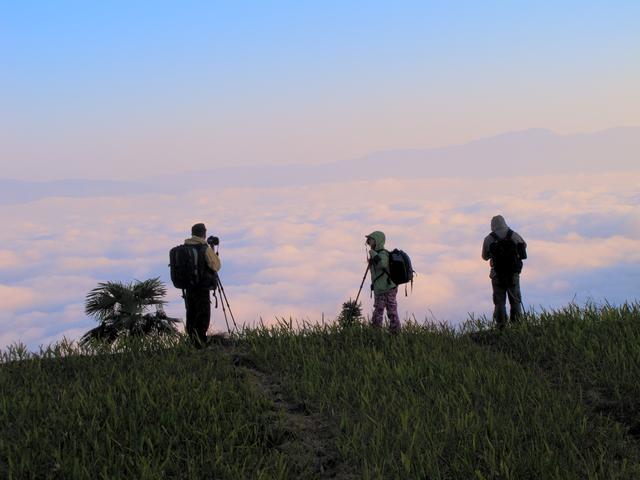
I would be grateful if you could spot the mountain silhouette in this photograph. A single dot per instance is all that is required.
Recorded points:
(524, 153)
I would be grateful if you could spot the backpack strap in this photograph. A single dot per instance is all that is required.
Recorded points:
(202, 249)
(496, 238)
(384, 271)
(184, 297)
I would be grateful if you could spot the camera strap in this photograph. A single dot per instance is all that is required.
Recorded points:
(215, 297)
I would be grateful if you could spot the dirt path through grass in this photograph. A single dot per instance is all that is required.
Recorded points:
(310, 445)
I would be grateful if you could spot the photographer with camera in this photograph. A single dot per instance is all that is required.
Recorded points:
(196, 291)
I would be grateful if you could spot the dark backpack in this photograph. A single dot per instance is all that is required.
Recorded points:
(400, 269)
(189, 268)
(505, 256)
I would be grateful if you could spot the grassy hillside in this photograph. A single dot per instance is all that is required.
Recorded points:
(554, 397)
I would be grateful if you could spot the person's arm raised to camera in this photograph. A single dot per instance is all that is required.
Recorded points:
(213, 260)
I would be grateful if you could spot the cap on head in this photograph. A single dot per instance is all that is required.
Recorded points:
(199, 230)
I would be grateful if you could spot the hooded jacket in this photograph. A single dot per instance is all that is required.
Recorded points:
(379, 265)
(500, 228)
(213, 261)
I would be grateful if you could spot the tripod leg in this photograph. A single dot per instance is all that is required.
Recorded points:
(225, 299)
(235, 326)
(224, 312)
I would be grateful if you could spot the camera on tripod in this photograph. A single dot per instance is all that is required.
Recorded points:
(215, 242)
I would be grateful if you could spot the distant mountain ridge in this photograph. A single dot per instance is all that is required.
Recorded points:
(523, 153)
(21, 191)
(529, 152)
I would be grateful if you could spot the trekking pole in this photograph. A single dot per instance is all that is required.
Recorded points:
(225, 299)
(362, 284)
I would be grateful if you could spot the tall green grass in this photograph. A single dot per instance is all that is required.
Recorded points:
(594, 350)
(432, 402)
(142, 411)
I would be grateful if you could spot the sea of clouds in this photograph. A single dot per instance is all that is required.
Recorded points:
(299, 251)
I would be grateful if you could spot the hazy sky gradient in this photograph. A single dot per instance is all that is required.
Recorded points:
(133, 90)
(118, 89)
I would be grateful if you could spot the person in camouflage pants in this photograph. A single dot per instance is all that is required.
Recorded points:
(385, 291)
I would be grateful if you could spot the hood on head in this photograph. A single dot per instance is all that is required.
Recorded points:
(379, 238)
(498, 223)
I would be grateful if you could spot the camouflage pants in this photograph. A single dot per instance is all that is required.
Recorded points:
(386, 300)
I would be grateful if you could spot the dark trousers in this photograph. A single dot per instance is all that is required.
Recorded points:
(198, 303)
(501, 291)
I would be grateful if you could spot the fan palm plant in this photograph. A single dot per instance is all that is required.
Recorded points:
(124, 308)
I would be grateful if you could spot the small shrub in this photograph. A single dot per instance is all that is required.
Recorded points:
(351, 313)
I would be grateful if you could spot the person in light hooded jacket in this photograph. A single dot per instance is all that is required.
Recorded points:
(505, 285)
(384, 290)
(198, 300)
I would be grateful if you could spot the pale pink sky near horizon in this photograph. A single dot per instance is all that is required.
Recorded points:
(126, 91)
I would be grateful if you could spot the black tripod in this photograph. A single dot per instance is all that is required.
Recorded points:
(224, 300)
(214, 243)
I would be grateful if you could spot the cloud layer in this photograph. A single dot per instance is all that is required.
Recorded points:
(299, 251)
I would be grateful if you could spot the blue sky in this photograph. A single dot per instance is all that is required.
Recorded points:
(216, 83)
